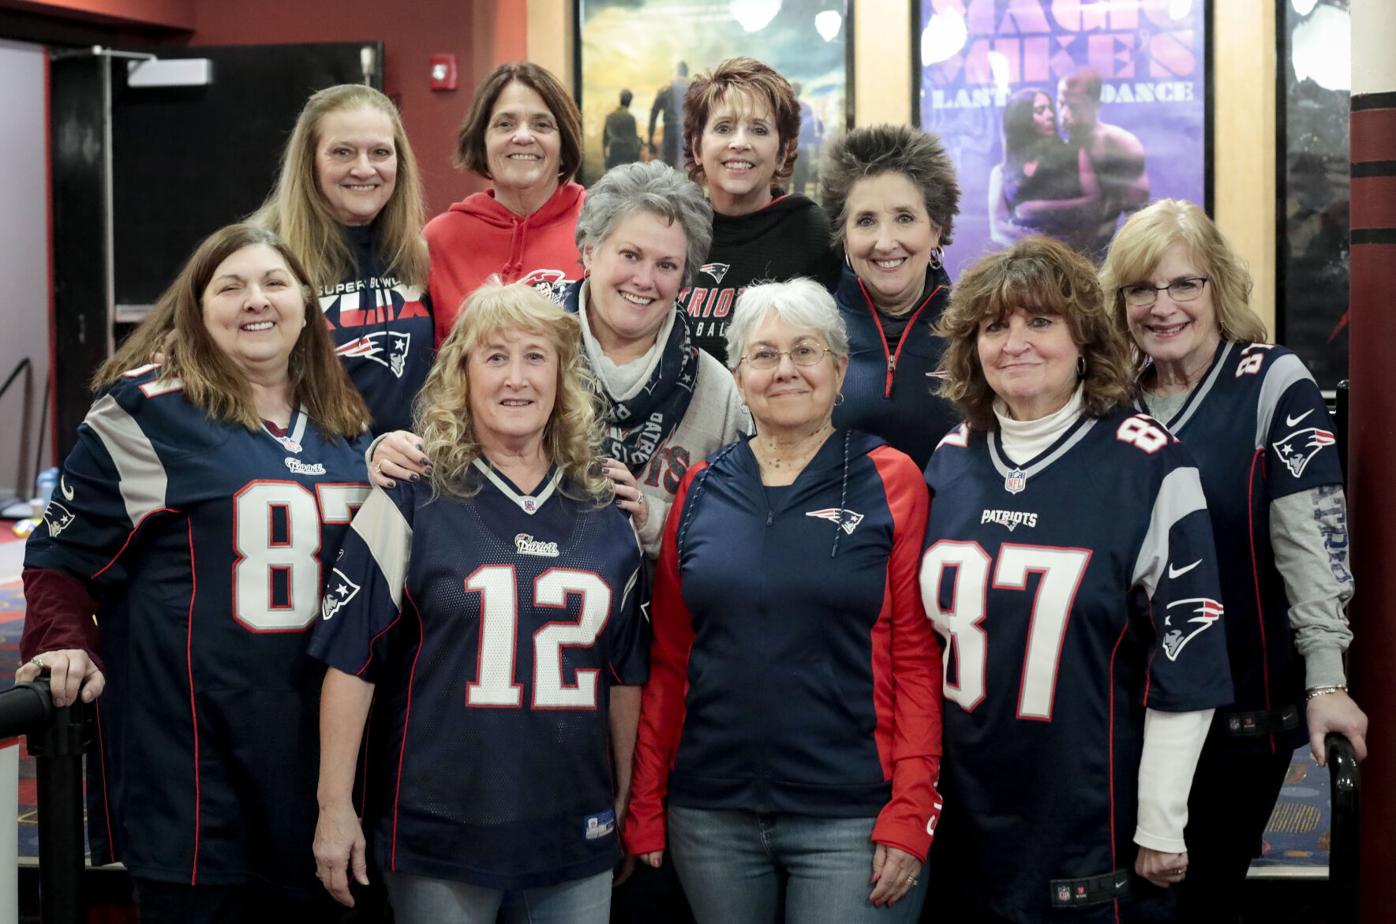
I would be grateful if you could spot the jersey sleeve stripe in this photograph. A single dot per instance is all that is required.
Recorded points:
(143, 480)
(1179, 494)
(386, 532)
(1279, 376)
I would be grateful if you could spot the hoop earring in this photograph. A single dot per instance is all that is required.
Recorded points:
(838, 400)
(1080, 367)
(937, 257)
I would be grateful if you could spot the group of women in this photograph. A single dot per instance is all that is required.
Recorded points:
(881, 637)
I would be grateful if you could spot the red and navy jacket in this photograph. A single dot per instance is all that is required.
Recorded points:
(889, 387)
(793, 667)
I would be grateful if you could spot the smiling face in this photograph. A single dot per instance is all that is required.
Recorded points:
(512, 377)
(356, 163)
(254, 309)
(522, 144)
(1029, 360)
(889, 238)
(1171, 332)
(739, 151)
(1044, 117)
(634, 274)
(789, 398)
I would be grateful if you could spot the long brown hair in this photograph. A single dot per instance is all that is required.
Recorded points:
(211, 380)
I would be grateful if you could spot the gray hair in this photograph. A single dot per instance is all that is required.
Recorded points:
(802, 303)
(651, 187)
(876, 149)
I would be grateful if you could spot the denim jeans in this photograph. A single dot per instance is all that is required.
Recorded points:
(739, 867)
(424, 900)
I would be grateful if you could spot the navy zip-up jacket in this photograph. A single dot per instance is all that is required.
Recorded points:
(793, 667)
(888, 389)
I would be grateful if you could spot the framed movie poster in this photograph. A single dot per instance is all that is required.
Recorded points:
(1315, 80)
(1064, 117)
(637, 57)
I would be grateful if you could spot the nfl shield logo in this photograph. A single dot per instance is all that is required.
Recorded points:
(1063, 893)
(1015, 481)
(529, 504)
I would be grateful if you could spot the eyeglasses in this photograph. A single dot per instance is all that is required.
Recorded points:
(802, 354)
(1186, 289)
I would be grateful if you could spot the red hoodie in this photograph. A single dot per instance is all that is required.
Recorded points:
(478, 237)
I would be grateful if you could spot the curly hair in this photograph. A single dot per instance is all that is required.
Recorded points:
(1037, 274)
(470, 138)
(296, 208)
(1139, 247)
(653, 187)
(211, 380)
(763, 84)
(572, 436)
(876, 149)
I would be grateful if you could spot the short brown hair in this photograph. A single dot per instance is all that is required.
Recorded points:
(763, 83)
(317, 380)
(877, 149)
(470, 139)
(1043, 275)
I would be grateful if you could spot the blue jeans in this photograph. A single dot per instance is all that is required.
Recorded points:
(740, 867)
(424, 900)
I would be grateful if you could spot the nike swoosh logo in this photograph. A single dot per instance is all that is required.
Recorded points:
(1179, 572)
(1291, 421)
(67, 491)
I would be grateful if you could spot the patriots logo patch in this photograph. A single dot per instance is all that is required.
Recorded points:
(847, 519)
(715, 270)
(337, 596)
(551, 282)
(1174, 639)
(385, 347)
(1299, 447)
(57, 517)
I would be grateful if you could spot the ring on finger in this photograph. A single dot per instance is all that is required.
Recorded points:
(376, 468)
(911, 880)
(38, 661)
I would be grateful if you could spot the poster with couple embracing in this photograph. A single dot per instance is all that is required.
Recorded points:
(1063, 117)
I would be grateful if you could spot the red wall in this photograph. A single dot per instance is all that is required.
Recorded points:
(165, 14)
(481, 33)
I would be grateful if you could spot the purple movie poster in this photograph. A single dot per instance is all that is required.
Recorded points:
(1063, 116)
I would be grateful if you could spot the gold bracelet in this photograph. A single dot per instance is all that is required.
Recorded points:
(1324, 691)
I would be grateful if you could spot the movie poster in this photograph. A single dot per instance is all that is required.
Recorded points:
(639, 56)
(1063, 116)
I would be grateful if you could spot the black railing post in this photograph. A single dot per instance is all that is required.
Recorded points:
(1344, 789)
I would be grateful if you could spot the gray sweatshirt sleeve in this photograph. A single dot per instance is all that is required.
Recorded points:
(1309, 534)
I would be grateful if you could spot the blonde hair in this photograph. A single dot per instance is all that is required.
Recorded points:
(572, 436)
(211, 380)
(296, 208)
(1140, 245)
(1037, 274)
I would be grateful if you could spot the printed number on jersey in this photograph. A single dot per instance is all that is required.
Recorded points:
(276, 535)
(496, 684)
(1059, 573)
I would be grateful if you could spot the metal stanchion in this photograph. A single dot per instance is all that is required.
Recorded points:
(1345, 788)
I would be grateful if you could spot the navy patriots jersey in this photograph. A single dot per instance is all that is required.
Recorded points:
(493, 628)
(1259, 430)
(383, 333)
(203, 542)
(1073, 592)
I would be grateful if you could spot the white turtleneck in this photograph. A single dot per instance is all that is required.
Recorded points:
(1172, 740)
(623, 381)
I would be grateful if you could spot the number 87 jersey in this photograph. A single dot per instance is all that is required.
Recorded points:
(1073, 591)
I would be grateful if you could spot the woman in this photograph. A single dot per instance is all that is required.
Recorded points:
(894, 198)
(1275, 491)
(498, 607)
(741, 130)
(1069, 566)
(792, 719)
(642, 233)
(195, 514)
(524, 134)
(349, 204)
(1043, 185)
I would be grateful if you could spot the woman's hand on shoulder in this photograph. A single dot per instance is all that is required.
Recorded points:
(340, 850)
(629, 496)
(1336, 712)
(397, 456)
(1162, 869)
(71, 672)
(894, 873)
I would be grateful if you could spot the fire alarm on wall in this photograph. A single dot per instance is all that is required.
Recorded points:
(443, 72)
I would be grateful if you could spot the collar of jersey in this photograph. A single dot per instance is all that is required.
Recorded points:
(1073, 435)
(528, 503)
(295, 430)
(1199, 391)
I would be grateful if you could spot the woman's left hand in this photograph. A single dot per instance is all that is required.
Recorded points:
(1162, 869)
(894, 873)
(629, 497)
(1336, 712)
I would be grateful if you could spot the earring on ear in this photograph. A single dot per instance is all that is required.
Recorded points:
(839, 399)
(1080, 367)
(937, 257)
